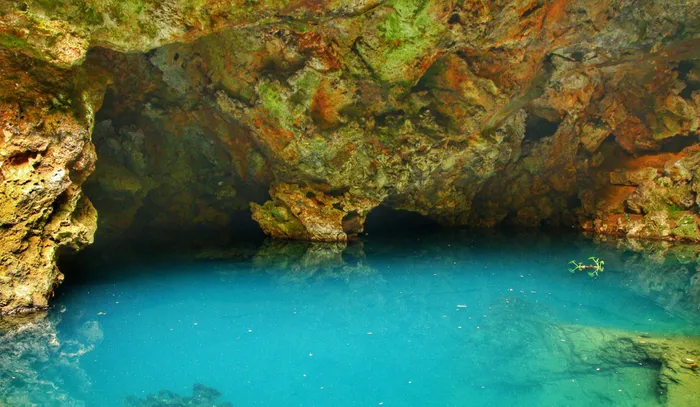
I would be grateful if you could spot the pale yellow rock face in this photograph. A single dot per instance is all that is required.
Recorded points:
(45, 155)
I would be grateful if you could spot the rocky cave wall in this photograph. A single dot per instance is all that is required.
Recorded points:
(526, 112)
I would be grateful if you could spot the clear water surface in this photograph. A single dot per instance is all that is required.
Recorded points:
(440, 320)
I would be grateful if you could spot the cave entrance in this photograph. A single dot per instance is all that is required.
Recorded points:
(386, 221)
(171, 170)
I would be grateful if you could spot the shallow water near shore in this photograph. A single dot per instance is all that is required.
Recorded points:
(438, 320)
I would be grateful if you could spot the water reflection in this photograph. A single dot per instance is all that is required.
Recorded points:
(293, 262)
(666, 272)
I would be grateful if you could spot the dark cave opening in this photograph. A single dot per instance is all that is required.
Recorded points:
(678, 143)
(686, 74)
(161, 188)
(538, 128)
(386, 221)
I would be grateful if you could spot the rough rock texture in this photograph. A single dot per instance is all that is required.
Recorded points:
(560, 113)
(169, 160)
(45, 155)
(301, 213)
(31, 354)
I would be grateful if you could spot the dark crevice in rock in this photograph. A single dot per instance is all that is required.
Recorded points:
(678, 143)
(390, 118)
(538, 128)
(22, 158)
(688, 73)
(530, 10)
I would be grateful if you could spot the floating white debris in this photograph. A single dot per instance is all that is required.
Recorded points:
(369, 333)
(563, 340)
(459, 327)
(250, 330)
(101, 313)
(461, 306)
(410, 382)
(597, 369)
(311, 354)
(196, 323)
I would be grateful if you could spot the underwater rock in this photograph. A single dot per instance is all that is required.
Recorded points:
(202, 396)
(599, 353)
(30, 357)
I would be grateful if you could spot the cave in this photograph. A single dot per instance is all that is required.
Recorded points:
(384, 220)
(356, 202)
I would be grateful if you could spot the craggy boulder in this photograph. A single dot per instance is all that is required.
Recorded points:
(297, 212)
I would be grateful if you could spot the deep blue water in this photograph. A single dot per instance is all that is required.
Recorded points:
(441, 320)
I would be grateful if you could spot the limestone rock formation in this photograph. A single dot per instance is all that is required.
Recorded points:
(45, 155)
(573, 113)
(302, 213)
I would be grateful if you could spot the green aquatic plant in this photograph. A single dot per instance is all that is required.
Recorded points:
(597, 267)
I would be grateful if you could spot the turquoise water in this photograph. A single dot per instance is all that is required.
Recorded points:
(441, 320)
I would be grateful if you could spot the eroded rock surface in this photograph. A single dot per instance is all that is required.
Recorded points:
(306, 214)
(560, 113)
(46, 118)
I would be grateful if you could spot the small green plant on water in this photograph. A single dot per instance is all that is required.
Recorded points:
(597, 267)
